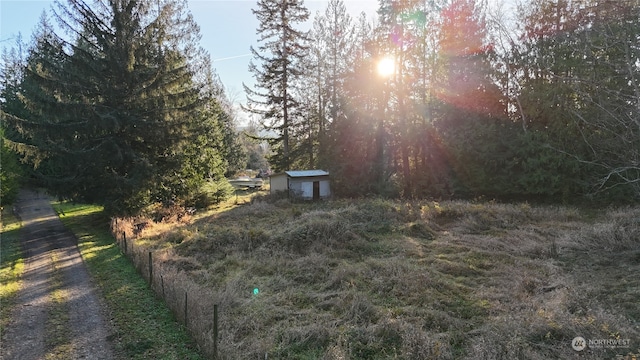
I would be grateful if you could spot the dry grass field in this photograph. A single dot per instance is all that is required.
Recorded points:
(381, 279)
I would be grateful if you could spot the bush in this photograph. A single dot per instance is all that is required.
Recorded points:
(212, 193)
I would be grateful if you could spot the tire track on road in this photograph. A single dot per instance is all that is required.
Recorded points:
(45, 240)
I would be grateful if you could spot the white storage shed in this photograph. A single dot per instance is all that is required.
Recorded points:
(303, 184)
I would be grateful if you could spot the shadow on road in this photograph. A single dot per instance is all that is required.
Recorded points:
(53, 263)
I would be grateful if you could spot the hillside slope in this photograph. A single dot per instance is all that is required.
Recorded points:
(377, 279)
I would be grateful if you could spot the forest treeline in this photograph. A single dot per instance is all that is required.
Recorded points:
(535, 102)
(540, 104)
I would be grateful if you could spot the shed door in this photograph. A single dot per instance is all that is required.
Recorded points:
(316, 190)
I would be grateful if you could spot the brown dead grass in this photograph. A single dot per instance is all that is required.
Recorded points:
(377, 279)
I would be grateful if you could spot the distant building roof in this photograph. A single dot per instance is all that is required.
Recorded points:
(305, 173)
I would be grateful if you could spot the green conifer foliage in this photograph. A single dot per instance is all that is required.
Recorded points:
(117, 111)
(280, 52)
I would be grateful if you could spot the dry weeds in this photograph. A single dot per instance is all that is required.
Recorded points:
(376, 279)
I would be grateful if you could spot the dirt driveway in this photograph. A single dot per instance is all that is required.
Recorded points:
(58, 314)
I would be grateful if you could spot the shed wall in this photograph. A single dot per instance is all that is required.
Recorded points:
(278, 183)
(303, 187)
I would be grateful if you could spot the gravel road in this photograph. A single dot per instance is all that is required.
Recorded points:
(53, 263)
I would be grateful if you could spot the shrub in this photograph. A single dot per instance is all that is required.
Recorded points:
(212, 193)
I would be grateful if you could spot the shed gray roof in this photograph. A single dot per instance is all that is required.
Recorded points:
(306, 173)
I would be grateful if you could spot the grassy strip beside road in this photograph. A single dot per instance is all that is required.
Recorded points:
(12, 265)
(146, 328)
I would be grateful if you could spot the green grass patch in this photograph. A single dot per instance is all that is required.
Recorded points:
(11, 266)
(146, 328)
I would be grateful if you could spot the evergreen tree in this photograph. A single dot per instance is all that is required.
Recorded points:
(571, 89)
(21, 96)
(10, 174)
(334, 40)
(428, 170)
(11, 75)
(332, 56)
(280, 53)
(225, 138)
(355, 134)
(471, 109)
(394, 40)
(118, 113)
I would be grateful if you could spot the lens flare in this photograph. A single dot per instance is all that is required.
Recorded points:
(386, 67)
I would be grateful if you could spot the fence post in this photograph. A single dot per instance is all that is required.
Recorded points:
(124, 238)
(150, 270)
(215, 331)
(185, 309)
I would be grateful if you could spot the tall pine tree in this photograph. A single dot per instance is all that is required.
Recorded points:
(332, 55)
(280, 52)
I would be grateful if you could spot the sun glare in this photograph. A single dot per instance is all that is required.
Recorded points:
(386, 67)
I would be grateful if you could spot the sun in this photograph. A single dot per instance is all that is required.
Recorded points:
(386, 66)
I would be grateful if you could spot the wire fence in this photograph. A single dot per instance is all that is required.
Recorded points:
(193, 306)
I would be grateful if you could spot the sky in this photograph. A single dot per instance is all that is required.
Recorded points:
(228, 29)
